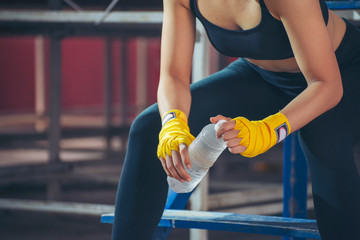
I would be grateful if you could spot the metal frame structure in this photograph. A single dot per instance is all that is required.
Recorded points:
(58, 25)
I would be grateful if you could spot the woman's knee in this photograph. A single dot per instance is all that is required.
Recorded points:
(327, 146)
(148, 121)
(143, 140)
(330, 136)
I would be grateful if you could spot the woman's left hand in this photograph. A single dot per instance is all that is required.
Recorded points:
(251, 138)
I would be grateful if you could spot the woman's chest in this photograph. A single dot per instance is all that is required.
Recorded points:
(232, 14)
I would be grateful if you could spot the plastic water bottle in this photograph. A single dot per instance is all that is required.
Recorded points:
(203, 152)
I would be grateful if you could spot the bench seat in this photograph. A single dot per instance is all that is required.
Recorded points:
(234, 222)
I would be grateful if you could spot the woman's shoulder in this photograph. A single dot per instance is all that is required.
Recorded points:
(170, 5)
(184, 3)
(279, 6)
(272, 7)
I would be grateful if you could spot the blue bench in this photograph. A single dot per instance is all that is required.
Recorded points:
(293, 225)
(233, 222)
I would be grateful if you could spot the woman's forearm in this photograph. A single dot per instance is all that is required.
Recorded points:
(173, 93)
(177, 46)
(317, 98)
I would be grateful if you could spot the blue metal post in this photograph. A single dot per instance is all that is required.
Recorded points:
(295, 179)
(174, 201)
(343, 5)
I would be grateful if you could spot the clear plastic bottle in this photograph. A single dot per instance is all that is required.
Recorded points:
(203, 152)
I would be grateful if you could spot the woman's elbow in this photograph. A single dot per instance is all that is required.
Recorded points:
(337, 95)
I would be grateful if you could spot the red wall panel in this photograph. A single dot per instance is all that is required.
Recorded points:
(153, 74)
(16, 73)
(82, 72)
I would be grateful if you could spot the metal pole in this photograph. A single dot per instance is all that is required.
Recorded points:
(108, 94)
(141, 72)
(124, 80)
(54, 130)
(199, 202)
(295, 178)
(40, 98)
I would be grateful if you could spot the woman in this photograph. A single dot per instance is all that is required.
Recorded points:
(294, 56)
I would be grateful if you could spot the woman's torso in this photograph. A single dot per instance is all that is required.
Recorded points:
(246, 14)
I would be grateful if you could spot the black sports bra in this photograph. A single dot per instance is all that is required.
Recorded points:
(266, 41)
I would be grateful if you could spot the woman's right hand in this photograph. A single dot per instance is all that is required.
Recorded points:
(173, 165)
(174, 139)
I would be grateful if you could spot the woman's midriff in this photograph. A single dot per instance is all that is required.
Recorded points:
(336, 28)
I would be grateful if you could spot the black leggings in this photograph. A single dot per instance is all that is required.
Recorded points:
(243, 89)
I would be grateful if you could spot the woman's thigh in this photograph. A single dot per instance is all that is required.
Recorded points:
(235, 91)
(328, 143)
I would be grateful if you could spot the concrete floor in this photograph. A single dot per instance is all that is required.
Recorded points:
(40, 226)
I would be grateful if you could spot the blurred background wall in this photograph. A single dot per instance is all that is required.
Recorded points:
(82, 73)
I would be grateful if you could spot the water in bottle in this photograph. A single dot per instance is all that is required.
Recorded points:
(203, 152)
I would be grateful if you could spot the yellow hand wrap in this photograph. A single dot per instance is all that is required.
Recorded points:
(174, 131)
(260, 136)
